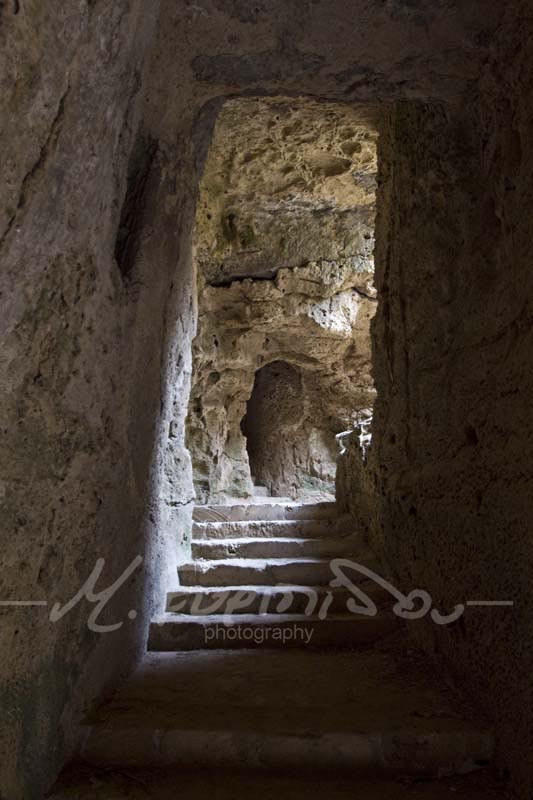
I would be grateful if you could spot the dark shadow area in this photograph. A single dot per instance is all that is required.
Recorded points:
(274, 428)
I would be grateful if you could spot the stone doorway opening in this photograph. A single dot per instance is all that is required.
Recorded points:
(284, 254)
(279, 434)
(291, 450)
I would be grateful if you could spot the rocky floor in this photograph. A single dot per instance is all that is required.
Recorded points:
(379, 709)
(81, 783)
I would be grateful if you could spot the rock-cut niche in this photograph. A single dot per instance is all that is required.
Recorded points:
(274, 427)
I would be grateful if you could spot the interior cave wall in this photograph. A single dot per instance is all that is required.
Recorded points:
(274, 413)
(98, 280)
(453, 336)
(78, 339)
(284, 251)
(312, 317)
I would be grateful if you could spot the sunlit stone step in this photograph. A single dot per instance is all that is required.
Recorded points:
(238, 571)
(204, 600)
(246, 547)
(266, 511)
(175, 632)
(292, 529)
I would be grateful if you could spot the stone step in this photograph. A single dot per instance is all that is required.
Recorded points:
(176, 632)
(263, 572)
(86, 783)
(376, 711)
(260, 491)
(199, 601)
(267, 511)
(248, 547)
(291, 529)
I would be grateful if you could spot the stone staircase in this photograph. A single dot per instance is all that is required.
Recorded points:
(262, 570)
(228, 684)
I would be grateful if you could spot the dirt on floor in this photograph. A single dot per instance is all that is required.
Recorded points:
(84, 783)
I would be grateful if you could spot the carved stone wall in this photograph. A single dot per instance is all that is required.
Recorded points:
(453, 430)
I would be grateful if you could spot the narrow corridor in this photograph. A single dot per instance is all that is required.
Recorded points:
(266, 440)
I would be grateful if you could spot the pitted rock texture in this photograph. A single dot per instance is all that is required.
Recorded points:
(453, 432)
(355, 483)
(288, 181)
(314, 319)
(70, 107)
(287, 199)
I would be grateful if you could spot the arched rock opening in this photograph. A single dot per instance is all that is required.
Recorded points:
(290, 451)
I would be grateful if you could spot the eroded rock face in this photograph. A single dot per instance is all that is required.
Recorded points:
(288, 181)
(315, 318)
(287, 199)
(453, 429)
(71, 485)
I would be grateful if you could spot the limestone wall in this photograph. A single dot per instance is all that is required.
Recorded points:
(71, 491)
(453, 430)
(356, 482)
(290, 448)
(287, 181)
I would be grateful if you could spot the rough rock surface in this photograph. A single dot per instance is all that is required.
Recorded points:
(71, 487)
(96, 360)
(292, 210)
(314, 319)
(287, 181)
(355, 481)
(84, 783)
(453, 432)
(446, 488)
(283, 443)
